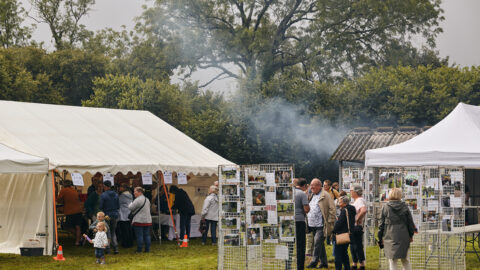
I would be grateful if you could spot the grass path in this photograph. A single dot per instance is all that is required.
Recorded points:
(165, 256)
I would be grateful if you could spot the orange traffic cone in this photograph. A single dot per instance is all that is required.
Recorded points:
(59, 256)
(185, 241)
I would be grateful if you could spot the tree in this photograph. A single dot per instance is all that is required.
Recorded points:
(262, 38)
(63, 18)
(12, 33)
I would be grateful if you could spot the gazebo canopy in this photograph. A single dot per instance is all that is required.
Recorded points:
(454, 141)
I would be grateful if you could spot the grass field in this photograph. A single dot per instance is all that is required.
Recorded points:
(165, 256)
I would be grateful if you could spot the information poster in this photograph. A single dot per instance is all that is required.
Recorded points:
(108, 177)
(147, 178)
(182, 178)
(77, 179)
(167, 177)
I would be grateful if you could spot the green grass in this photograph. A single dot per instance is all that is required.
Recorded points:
(165, 256)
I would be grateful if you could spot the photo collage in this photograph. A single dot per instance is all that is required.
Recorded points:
(434, 196)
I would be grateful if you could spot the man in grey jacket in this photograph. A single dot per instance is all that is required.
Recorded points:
(125, 198)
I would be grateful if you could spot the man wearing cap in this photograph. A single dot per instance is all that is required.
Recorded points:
(110, 205)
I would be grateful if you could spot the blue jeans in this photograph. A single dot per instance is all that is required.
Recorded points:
(143, 235)
(213, 231)
(99, 253)
(185, 221)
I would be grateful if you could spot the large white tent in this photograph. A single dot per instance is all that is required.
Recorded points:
(81, 139)
(454, 141)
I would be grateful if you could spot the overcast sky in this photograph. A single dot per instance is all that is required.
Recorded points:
(460, 38)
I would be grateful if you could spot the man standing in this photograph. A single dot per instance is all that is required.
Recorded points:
(72, 209)
(356, 247)
(327, 186)
(185, 209)
(110, 205)
(301, 209)
(321, 219)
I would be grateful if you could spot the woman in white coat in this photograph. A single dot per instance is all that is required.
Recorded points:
(210, 214)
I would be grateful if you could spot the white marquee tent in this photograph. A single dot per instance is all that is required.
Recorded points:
(80, 139)
(454, 141)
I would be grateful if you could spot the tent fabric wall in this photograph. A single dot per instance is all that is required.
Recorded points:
(12, 161)
(25, 211)
(454, 141)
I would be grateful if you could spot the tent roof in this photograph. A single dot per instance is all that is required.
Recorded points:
(82, 139)
(12, 161)
(454, 141)
(353, 146)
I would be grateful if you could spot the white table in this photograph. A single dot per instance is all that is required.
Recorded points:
(167, 220)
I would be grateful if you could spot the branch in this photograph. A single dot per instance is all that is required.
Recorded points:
(262, 13)
(213, 79)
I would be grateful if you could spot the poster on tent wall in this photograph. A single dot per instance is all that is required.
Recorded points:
(108, 177)
(257, 219)
(435, 198)
(77, 179)
(147, 178)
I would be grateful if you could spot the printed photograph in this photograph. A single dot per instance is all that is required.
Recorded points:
(412, 203)
(258, 197)
(259, 217)
(447, 224)
(446, 201)
(285, 209)
(446, 180)
(287, 228)
(255, 177)
(229, 174)
(283, 177)
(411, 180)
(430, 216)
(229, 223)
(231, 240)
(230, 207)
(270, 233)
(284, 193)
(428, 192)
(253, 236)
(229, 190)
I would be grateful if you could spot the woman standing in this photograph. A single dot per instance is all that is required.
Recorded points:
(142, 220)
(396, 230)
(344, 224)
(125, 199)
(210, 214)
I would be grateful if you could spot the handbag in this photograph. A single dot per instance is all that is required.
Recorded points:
(203, 226)
(344, 238)
(132, 215)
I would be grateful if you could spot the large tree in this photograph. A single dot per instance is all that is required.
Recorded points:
(261, 38)
(12, 32)
(63, 18)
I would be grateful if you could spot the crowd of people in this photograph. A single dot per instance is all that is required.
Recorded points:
(323, 215)
(122, 214)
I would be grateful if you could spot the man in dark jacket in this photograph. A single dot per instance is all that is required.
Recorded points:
(185, 208)
(110, 205)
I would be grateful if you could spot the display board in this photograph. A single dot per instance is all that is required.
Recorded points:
(257, 219)
(435, 197)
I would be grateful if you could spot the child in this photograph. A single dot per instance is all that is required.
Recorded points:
(100, 242)
(101, 218)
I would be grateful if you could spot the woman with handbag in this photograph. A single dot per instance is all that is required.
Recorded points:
(342, 231)
(396, 230)
(141, 219)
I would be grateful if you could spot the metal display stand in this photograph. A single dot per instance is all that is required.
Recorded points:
(435, 196)
(256, 217)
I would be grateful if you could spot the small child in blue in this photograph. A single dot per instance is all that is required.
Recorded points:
(100, 242)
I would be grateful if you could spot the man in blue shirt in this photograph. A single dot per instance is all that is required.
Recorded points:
(110, 205)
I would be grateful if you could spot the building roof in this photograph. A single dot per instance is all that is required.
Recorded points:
(354, 145)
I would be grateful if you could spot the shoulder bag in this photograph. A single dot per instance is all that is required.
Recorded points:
(132, 215)
(344, 238)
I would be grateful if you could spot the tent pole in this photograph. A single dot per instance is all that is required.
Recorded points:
(54, 209)
(158, 210)
(47, 233)
(169, 206)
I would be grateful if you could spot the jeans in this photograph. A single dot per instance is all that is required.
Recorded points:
(99, 253)
(143, 235)
(405, 263)
(300, 228)
(358, 254)
(113, 233)
(319, 253)
(341, 257)
(185, 221)
(125, 233)
(213, 231)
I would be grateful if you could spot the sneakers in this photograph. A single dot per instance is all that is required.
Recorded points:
(103, 261)
(312, 265)
(97, 261)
